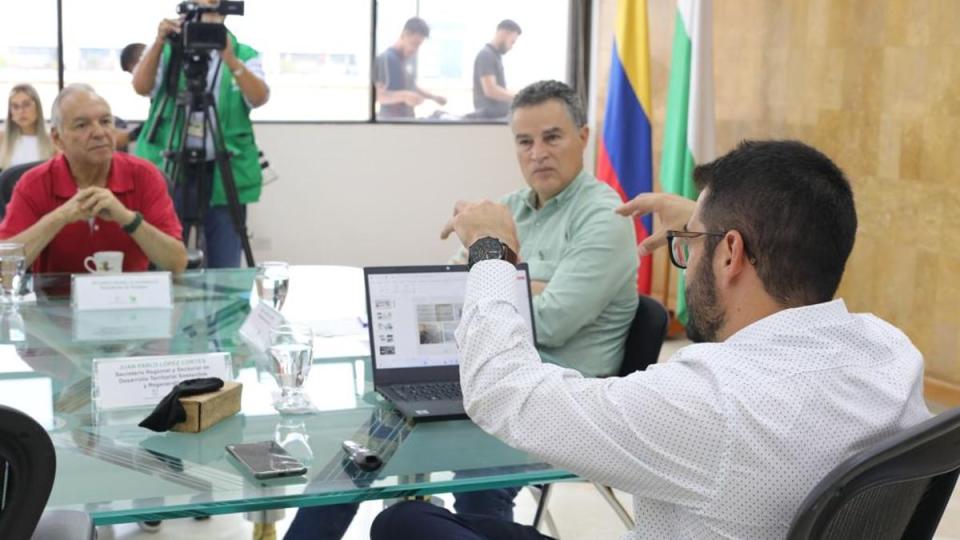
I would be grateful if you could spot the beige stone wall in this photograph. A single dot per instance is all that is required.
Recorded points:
(876, 85)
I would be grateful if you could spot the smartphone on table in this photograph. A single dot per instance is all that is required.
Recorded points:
(266, 459)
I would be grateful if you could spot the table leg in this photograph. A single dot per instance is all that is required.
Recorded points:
(265, 523)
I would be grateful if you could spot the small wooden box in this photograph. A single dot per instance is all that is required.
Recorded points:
(205, 410)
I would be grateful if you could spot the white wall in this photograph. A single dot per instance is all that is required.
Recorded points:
(373, 194)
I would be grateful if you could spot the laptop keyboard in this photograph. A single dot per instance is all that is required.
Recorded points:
(428, 391)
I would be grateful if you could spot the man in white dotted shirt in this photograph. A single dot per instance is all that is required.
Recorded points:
(727, 438)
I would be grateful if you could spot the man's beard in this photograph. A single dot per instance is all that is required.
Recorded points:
(502, 48)
(705, 315)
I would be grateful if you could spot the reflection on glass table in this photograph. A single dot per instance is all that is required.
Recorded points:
(272, 281)
(13, 267)
(123, 324)
(118, 472)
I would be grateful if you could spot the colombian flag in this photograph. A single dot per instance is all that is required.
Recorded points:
(625, 156)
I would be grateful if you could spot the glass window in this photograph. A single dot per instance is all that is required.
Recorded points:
(94, 33)
(28, 51)
(315, 53)
(441, 70)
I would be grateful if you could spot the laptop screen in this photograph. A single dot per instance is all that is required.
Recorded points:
(414, 312)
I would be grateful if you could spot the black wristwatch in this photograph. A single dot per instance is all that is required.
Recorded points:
(132, 227)
(490, 248)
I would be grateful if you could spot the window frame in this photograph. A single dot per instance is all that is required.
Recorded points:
(576, 20)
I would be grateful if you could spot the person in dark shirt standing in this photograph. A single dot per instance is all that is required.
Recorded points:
(127, 132)
(491, 99)
(396, 73)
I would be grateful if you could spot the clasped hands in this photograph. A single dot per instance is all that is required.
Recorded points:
(91, 202)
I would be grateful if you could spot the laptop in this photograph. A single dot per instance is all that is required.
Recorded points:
(412, 313)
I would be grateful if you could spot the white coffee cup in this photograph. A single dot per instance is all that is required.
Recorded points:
(105, 262)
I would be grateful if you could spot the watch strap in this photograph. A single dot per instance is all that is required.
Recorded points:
(132, 227)
(510, 255)
(490, 248)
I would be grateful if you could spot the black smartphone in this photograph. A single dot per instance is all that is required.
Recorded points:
(266, 459)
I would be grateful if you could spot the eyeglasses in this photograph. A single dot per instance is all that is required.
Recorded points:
(680, 247)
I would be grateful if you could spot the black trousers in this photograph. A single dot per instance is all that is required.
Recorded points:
(411, 520)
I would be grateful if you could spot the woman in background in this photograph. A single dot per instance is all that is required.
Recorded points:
(25, 138)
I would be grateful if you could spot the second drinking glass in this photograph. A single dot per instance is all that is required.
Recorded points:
(291, 352)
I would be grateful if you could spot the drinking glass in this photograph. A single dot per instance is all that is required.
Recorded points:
(291, 349)
(272, 280)
(13, 266)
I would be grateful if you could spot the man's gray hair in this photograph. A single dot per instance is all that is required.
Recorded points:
(56, 115)
(543, 91)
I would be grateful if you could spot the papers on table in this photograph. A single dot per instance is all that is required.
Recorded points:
(339, 327)
(31, 393)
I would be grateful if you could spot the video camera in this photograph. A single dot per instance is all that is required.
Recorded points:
(202, 36)
(193, 104)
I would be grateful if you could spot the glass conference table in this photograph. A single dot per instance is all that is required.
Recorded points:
(118, 472)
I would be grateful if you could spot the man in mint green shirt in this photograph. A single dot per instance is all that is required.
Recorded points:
(583, 267)
(582, 256)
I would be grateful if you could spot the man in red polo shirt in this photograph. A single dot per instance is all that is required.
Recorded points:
(89, 199)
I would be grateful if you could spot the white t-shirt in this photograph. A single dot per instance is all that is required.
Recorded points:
(26, 150)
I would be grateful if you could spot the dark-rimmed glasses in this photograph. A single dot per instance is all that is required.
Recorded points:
(679, 245)
(680, 249)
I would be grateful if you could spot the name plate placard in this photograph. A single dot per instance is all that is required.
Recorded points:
(256, 329)
(140, 290)
(142, 381)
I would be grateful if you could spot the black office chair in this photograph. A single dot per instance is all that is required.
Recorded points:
(8, 180)
(642, 349)
(896, 489)
(30, 463)
(645, 337)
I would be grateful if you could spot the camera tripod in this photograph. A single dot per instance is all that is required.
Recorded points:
(188, 165)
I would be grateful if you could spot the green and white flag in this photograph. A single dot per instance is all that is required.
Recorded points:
(688, 138)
